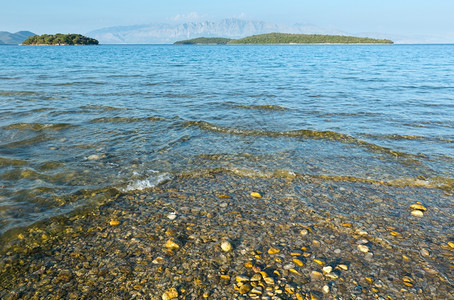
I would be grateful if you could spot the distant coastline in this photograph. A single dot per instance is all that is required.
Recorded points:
(285, 39)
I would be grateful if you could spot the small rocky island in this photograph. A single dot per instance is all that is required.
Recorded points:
(60, 39)
(286, 38)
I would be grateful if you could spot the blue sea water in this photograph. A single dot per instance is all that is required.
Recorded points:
(75, 121)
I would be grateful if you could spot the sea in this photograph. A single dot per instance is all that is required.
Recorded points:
(78, 122)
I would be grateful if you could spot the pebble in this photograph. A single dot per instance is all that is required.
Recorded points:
(242, 278)
(256, 277)
(342, 267)
(256, 195)
(257, 290)
(172, 216)
(170, 294)
(327, 269)
(363, 248)
(93, 157)
(269, 280)
(273, 251)
(425, 253)
(304, 232)
(298, 262)
(417, 213)
(316, 275)
(325, 289)
(226, 246)
(369, 256)
(114, 222)
(451, 244)
(171, 245)
(245, 289)
(418, 206)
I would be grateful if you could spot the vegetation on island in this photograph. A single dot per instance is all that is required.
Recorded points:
(60, 39)
(289, 38)
(204, 41)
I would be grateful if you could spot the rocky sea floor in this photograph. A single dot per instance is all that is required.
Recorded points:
(219, 235)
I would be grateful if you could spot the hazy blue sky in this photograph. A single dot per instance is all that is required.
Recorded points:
(432, 18)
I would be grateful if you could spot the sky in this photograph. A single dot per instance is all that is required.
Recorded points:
(418, 19)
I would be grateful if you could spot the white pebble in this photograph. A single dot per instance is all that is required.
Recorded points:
(172, 216)
(363, 248)
(325, 289)
(417, 213)
(226, 246)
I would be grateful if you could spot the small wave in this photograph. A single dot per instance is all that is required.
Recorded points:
(398, 137)
(12, 162)
(124, 119)
(38, 126)
(262, 107)
(80, 83)
(443, 183)
(149, 182)
(102, 107)
(17, 93)
(34, 140)
(346, 114)
(301, 133)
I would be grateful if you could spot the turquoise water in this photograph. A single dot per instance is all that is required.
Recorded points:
(75, 121)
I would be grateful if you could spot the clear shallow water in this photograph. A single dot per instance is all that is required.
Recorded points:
(75, 121)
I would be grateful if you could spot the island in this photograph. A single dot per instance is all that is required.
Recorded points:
(286, 38)
(204, 41)
(60, 39)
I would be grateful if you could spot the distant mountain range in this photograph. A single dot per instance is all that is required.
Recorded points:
(8, 38)
(167, 34)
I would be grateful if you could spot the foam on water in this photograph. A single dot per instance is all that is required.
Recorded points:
(149, 182)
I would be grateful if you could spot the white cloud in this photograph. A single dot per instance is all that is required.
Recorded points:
(241, 16)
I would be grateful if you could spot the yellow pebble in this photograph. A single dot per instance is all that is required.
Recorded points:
(114, 222)
(171, 245)
(256, 195)
(298, 262)
(313, 297)
(248, 264)
(394, 233)
(225, 277)
(418, 206)
(343, 267)
(20, 236)
(295, 271)
(273, 251)
(451, 244)
(264, 274)
(319, 262)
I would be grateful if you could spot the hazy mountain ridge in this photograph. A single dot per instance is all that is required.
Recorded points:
(167, 33)
(8, 38)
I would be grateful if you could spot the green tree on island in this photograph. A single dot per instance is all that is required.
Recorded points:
(60, 39)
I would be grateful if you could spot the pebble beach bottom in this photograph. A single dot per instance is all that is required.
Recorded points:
(220, 235)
